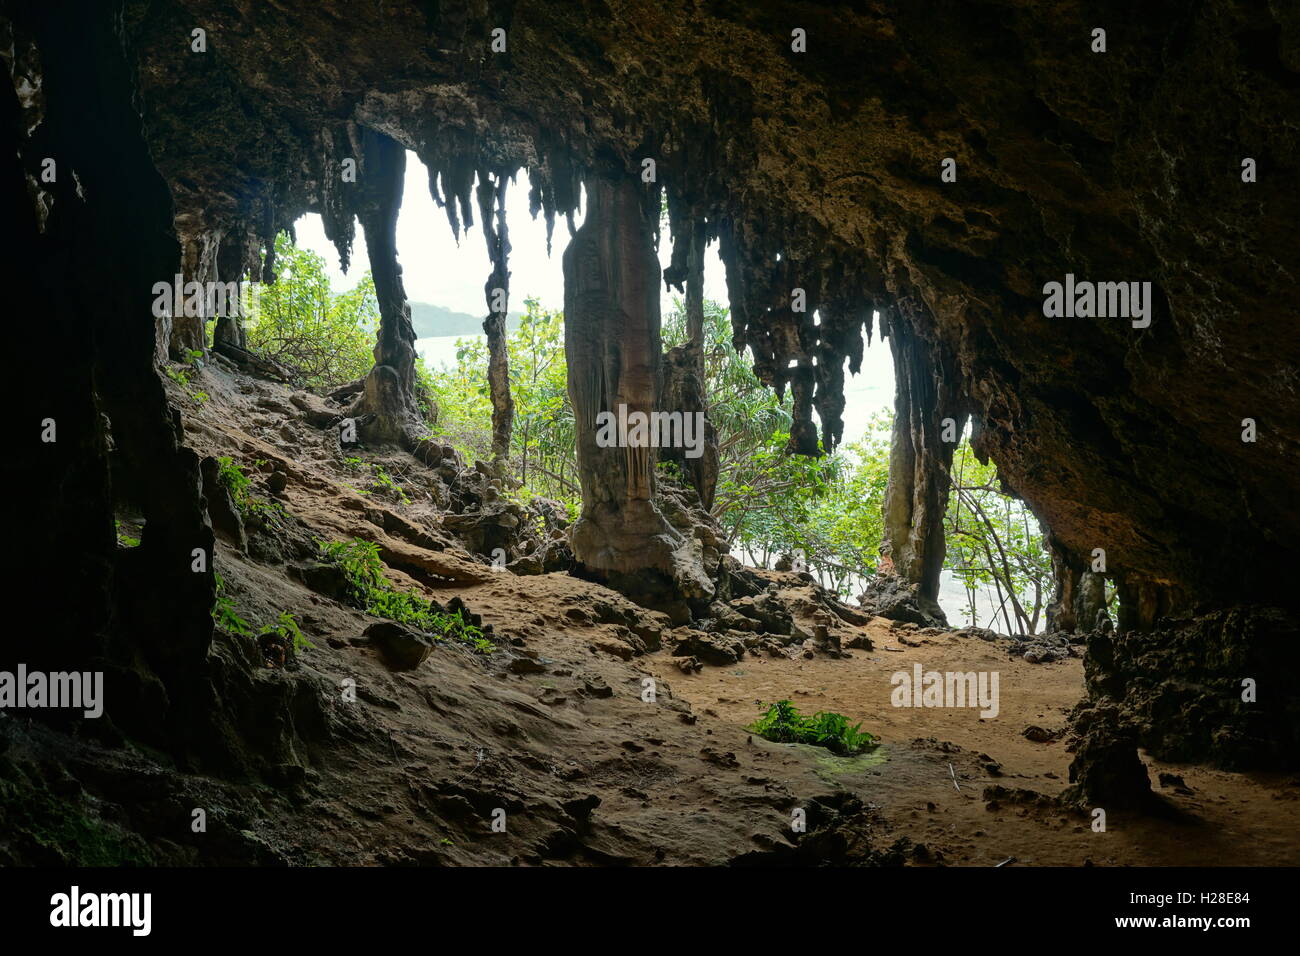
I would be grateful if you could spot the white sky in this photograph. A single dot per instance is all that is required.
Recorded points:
(437, 270)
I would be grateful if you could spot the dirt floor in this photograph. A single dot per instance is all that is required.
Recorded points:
(554, 728)
(1215, 817)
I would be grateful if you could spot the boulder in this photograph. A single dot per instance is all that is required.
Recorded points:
(403, 648)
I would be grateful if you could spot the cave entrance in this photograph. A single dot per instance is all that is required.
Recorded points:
(441, 274)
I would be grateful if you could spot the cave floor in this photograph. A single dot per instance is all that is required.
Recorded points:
(553, 728)
(1215, 817)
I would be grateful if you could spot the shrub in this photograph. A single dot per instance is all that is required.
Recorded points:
(373, 592)
(241, 490)
(223, 611)
(321, 339)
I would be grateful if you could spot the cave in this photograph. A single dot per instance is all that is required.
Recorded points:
(954, 178)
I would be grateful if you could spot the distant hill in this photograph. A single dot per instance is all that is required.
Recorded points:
(430, 320)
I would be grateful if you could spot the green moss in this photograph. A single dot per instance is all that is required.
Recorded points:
(41, 828)
(835, 769)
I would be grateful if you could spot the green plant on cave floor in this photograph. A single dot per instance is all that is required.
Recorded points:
(782, 723)
(181, 376)
(241, 490)
(361, 565)
(124, 540)
(287, 627)
(233, 477)
(226, 617)
(380, 479)
(383, 479)
(223, 611)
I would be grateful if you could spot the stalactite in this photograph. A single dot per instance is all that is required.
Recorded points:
(695, 291)
(684, 374)
(916, 498)
(337, 196)
(788, 346)
(844, 313)
(387, 405)
(454, 159)
(492, 191)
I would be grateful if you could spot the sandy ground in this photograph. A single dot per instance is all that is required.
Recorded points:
(1227, 819)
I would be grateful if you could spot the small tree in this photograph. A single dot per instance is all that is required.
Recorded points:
(321, 339)
(994, 543)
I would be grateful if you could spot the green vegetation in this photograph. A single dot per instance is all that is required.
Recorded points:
(783, 723)
(241, 490)
(181, 375)
(994, 542)
(543, 451)
(380, 480)
(286, 626)
(226, 618)
(223, 611)
(233, 477)
(321, 339)
(124, 540)
(361, 564)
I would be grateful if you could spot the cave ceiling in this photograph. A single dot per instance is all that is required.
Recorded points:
(821, 170)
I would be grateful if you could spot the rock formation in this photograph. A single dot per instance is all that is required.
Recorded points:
(497, 291)
(613, 351)
(387, 404)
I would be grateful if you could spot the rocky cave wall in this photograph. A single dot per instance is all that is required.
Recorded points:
(106, 435)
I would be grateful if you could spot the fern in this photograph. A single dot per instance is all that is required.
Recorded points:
(287, 627)
(223, 611)
(367, 587)
(783, 723)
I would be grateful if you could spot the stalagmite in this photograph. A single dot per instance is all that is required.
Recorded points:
(612, 347)
(1066, 569)
(198, 264)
